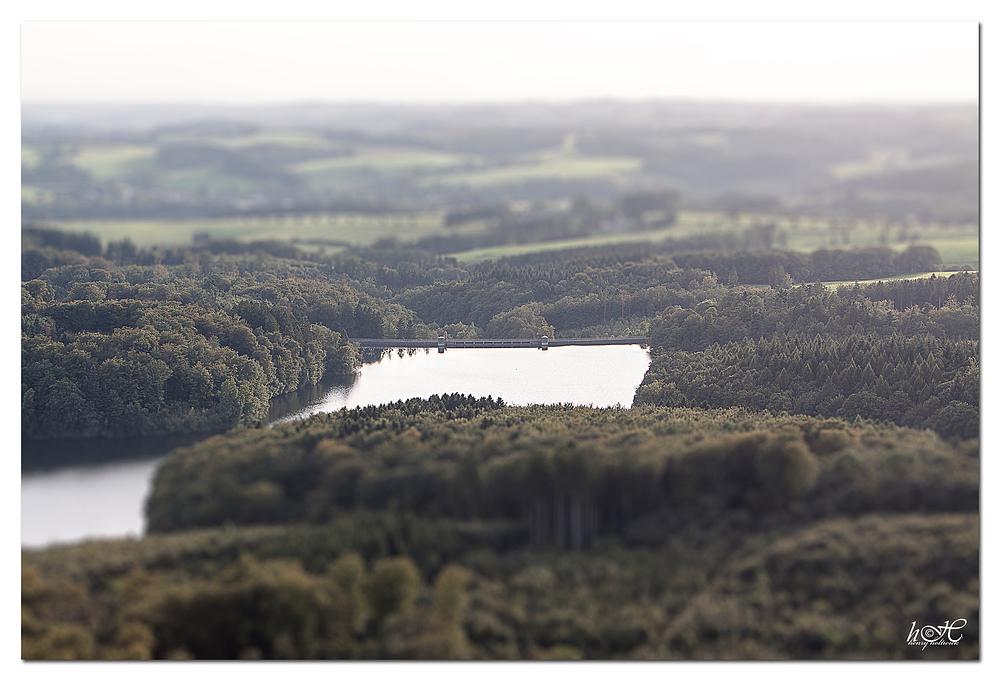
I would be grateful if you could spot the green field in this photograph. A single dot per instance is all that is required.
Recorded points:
(959, 251)
(339, 172)
(958, 244)
(384, 160)
(207, 179)
(31, 194)
(494, 252)
(105, 161)
(29, 156)
(283, 138)
(925, 275)
(554, 167)
(889, 160)
(356, 229)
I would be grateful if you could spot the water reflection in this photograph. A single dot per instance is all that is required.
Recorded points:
(102, 500)
(77, 502)
(296, 402)
(47, 455)
(595, 375)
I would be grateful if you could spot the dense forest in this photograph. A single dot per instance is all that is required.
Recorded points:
(890, 351)
(130, 349)
(459, 527)
(569, 474)
(126, 341)
(798, 477)
(909, 381)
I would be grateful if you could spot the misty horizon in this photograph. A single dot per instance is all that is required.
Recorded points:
(476, 62)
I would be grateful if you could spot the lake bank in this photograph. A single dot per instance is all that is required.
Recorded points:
(105, 499)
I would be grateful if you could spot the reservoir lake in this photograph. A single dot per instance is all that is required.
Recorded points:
(104, 500)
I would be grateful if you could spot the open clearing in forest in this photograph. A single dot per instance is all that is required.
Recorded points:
(366, 164)
(300, 139)
(550, 168)
(357, 229)
(957, 244)
(106, 161)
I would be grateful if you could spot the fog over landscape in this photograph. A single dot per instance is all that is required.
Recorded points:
(499, 61)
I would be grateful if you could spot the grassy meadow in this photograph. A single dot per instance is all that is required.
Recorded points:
(958, 244)
(358, 169)
(302, 139)
(359, 229)
(191, 161)
(107, 161)
(559, 167)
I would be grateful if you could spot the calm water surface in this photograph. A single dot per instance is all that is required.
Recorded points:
(105, 500)
(602, 376)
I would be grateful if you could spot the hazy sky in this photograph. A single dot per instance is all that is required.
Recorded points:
(263, 62)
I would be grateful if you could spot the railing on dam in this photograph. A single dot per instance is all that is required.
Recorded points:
(543, 343)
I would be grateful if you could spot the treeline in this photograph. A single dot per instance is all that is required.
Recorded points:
(942, 307)
(38, 255)
(566, 475)
(633, 211)
(115, 368)
(902, 351)
(596, 291)
(757, 267)
(41, 237)
(566, 297)
(135, 350)
(919, 382)
(285, 316)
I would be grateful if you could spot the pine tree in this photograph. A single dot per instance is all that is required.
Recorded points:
(867, 376)
(782, 381)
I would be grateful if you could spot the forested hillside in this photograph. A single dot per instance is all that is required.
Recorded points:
(128, 350)
(890, 351)
(458, 527)
(798, 477)
(127, 341)
(570, 474)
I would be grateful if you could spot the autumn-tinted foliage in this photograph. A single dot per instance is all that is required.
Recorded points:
(842, 588)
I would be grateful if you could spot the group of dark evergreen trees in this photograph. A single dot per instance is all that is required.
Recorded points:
(919, 382)
(891, 351)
